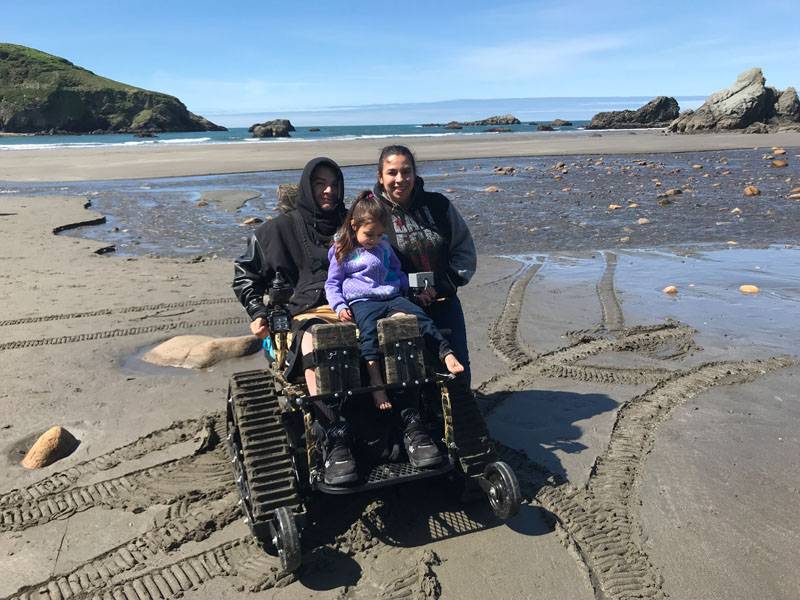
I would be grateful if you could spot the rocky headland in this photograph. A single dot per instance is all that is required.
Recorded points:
(748, 104)
(45, 94)
(272, 129)
(659, 112)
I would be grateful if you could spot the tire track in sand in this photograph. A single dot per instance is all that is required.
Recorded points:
(179, 431)
(504, 332)
(112, 333)
(117, 311)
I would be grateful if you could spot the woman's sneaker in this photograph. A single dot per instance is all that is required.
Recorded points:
(421, 450)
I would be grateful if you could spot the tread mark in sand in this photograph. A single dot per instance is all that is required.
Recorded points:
(504, 332)
(117, 311)
(176, 433)
(111, 333)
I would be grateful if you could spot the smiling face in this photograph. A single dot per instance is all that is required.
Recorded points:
(325, 187)
(397, 178)
(369, 234)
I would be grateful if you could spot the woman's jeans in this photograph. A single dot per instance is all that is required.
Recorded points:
(448, 314)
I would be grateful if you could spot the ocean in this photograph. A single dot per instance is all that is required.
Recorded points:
(347, 122)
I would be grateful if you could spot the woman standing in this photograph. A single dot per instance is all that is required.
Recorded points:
(429, 234)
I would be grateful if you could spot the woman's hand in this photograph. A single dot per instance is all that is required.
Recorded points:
(345, 315)
(427, 296)
(259, 328)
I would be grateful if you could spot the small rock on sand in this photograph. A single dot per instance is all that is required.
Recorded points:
(252, 221)
(778, 164)
(200, 351)
(614, 206)
(54, 444)
(748, 289)
(643, 221)
(633, 205)
(670, 289)
(794, 196)
(672, 192)
(778, 151)
(751, 190)
(492, 189)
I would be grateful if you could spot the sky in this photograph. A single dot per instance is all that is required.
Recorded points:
(264, 56)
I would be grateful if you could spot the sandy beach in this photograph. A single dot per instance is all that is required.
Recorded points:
(76, 164)
(653, 435)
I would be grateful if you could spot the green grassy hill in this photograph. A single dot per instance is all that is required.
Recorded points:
(42, 93)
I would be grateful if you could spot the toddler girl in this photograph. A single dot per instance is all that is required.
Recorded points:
(365, 283)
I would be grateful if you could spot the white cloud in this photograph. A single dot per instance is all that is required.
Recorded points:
(536, 57)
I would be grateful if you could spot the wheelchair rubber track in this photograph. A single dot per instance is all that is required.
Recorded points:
(504, 332)
(471, 436)
(117, 311)
(95, 575)
(166, 482)
(112, 333)
(176, 433)
(263, 439)
(602, 520)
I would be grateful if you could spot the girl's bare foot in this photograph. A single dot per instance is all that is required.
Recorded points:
(452, 364)
(381, 400)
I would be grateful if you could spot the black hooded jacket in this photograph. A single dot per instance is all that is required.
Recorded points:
(296, 244)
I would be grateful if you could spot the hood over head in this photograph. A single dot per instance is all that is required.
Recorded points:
(323, 222)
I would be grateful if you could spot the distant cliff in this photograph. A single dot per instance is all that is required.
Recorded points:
(42, 93)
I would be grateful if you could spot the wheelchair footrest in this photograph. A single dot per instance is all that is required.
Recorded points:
(336, 357)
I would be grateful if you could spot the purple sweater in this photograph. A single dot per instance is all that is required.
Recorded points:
(364, 275)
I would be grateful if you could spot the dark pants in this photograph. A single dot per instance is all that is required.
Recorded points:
(367, 312)
(448, 314)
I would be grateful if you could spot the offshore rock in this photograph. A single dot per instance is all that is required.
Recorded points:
(200, 351)
(748, 104)
(659, 112)
(45, 94)
(496, 120)
(270, 129)
(54, 444)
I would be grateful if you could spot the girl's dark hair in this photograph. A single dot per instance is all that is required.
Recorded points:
(391, 151)
(366, 208)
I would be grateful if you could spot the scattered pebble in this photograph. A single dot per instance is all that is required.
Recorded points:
(751, 190)
(492, 189)
(625, 239)
(614, 206)
(794, 196)
(697, 167)
(633, 205)
(778, 151)
(736, 211)
(252, 221)
(670, 289)
(748, 289)
(643, 221)
(777, 164)
(732, 243)
(672, 192)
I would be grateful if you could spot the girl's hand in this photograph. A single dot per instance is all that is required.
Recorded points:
(345, 315)
(427, 296)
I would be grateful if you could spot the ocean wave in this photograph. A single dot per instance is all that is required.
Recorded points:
(185, 141)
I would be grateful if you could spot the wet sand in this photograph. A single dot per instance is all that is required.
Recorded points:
(652, 435)
(79, 164)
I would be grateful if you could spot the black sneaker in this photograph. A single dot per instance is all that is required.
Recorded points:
(340, 466)
(421, 450)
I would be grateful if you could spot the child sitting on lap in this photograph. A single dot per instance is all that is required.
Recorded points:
(365, 283)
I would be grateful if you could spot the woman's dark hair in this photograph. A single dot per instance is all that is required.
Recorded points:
(391, 151)
(366, 208)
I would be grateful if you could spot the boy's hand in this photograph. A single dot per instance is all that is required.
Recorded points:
(258, 328)
(345, 315)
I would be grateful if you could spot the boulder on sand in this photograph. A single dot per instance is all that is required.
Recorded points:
(54, 444)
(200, 351)
(748, 104)
(274, 128)
(659, 112)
